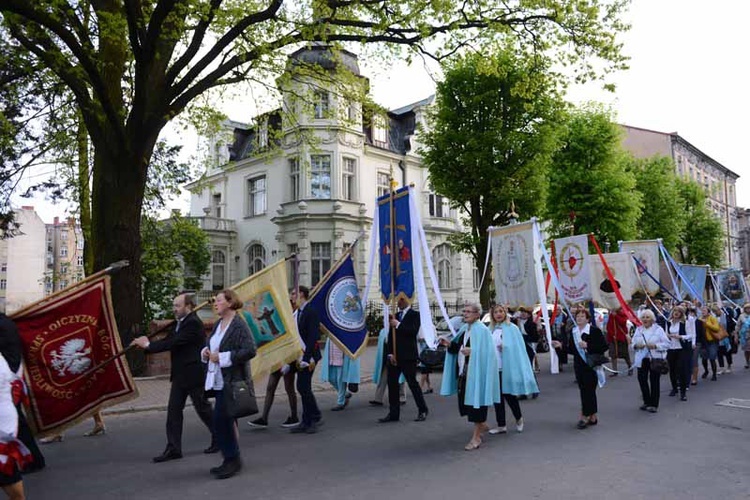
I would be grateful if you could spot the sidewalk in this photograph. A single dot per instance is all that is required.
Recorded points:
(154, 391)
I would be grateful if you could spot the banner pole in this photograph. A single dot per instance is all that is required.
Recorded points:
(392, 209)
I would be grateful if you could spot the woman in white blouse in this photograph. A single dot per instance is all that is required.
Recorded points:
(680, 351)
(228, 353)
(650, 342)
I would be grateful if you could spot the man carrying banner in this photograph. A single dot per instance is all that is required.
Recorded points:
(402, 358)
(308, 325)
(185, 343)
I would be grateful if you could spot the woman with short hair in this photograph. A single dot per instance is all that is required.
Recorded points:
(650, 343)
(228, 352)
(680, 352)
(743, 325)
(585, 340)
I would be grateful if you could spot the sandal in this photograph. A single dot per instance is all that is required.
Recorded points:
(473, 445)
(52, 439)
(96, 431)
(582, 424)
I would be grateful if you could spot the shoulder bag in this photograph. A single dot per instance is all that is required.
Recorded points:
(658, 365)
(239, 399)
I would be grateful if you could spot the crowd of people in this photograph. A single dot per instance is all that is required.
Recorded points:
(485, 366)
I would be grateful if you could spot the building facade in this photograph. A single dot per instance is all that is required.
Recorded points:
(64, 255)
(719, 182)
(743, 221)
(22, 262)
(303, 180)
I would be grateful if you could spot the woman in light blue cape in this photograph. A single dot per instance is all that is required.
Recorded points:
(339, 376)
(516, 376)
(471, 372)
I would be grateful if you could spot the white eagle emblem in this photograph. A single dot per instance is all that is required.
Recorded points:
(72, 357)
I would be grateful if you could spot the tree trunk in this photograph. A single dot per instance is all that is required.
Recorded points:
(117, 197)
(485, 299)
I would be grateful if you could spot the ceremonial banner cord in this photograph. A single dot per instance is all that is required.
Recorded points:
(625, 307)
(641, 266)
(684, 279)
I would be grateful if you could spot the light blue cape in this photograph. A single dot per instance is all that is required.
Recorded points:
(518, 377)
(350, 368)
(482, 380)
(382, 337)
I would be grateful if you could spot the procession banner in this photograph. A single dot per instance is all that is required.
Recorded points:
(730, 286)
(396, 207)
(342, 316)
(62, 339)
(696, 276)
(602, 290)
(572, 256)
(647, 253)
(513, 265)
(268, 312)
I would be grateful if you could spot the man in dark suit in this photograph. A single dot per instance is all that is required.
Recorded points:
(308, 325)
(403, 359)
(184, 342)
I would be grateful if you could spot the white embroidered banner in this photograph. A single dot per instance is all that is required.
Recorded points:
(572, 255)
(602, 291)
(647, 253)
(513, 265)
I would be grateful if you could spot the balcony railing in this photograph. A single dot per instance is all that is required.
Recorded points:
(208, 223)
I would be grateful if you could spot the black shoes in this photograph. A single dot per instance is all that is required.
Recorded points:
(582, 424)
(376, 403)
(683, 398)
(211, 449)
(259, 423)
(290, 422)
(387, 419)
(167, 455)
(673, 393)
(643, 408)
(228, 469)
(422, 416)
(304, 429)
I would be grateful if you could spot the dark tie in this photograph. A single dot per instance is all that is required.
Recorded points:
(399, 315)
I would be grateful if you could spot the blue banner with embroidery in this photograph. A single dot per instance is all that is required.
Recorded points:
(696, 276)
(342, 316)
(396, 263)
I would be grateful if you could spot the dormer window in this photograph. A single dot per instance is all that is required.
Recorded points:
(263, 134)
(321, 102)
(379, 131)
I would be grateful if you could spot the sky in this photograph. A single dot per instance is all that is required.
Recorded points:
(688, 74)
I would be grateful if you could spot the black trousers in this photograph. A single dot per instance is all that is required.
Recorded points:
(587, 382)
(176, 406)
(649, 381)
(310, 411)
(679, 368)
(512, 401)
(409, 369)
(725, 353)
(27, 438)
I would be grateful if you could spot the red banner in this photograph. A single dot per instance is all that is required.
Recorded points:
(62, 340)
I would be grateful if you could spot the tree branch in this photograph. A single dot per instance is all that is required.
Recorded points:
(195, 44)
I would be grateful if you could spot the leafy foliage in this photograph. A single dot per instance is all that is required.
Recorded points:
(169, 249)
(491, 139)
(133, 66)
(663, 211)
(702, 241)
(590, 189)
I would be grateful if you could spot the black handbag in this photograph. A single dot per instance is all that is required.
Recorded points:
(660, 366)
(594, 360)
(239, 399)
(433, 357)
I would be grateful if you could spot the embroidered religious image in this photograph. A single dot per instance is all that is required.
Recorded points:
(606, 286)
(262, 316)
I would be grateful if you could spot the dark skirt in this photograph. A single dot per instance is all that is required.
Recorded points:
(474, 415)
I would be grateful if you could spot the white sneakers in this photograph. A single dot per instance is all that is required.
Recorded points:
(499, 430)
(519, 425)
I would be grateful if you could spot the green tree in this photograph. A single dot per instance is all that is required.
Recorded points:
(175, 255)
(590, 189)
(702, 241)
(491, 140)
(662, 215)
(135, 65)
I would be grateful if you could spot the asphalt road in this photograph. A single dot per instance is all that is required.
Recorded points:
(692, 449)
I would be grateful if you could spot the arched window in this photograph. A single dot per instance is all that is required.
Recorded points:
(256, 258)
(441, 258)
(218, 270)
